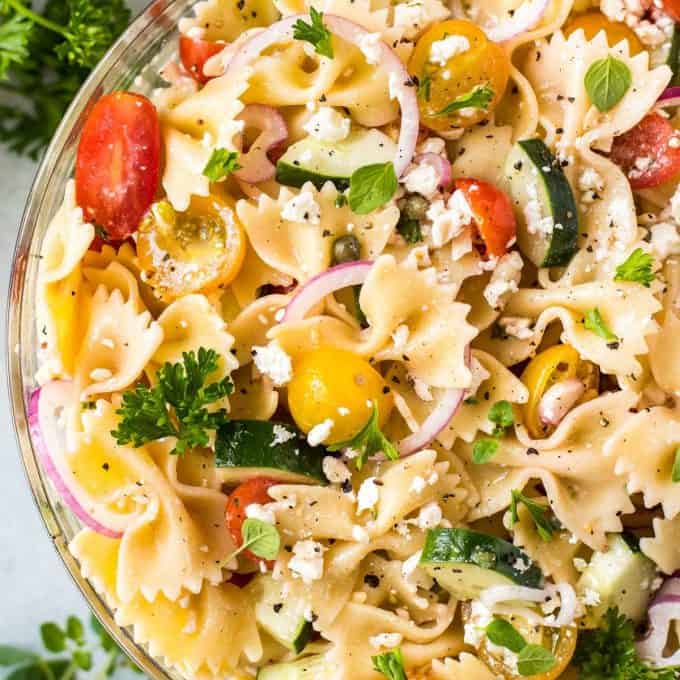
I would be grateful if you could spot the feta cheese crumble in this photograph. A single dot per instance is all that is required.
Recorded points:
(302, 208)
(328, 125)
(664, 240)
(319, 433)
(273, 362)
(281, 435)
(261, 512)
(449, 219)
(335, 470)
(430, 516)
(388, 640)
(443, 50)
(307, 560)
(422, 179)
(368, 495)
(504, 280)
(369, 44)
(517, 326)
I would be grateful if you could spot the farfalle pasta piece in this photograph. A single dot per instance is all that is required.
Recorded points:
(202, 635)
(222, 20)
(466, 667)
(301, 249)
(656, 432)
(664, 349)
(664, 547)
(255, 274)
(254, 397)
(251, 326)
(481, 153)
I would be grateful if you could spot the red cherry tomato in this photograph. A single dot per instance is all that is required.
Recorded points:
(194, 52)
(672, 7)
(118, 163)
(494, 218)
(644, 153)
(252, 491)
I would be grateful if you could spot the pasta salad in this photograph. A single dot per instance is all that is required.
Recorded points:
(358, 343)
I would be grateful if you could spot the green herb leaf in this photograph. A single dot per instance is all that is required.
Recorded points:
(315, 33)
(390, 664)
(594, 322)
(261, 538)
(75, 630)
(502, 633)
(34, 671)
(177, 405)
(607, 81)
(424, 87)
(409, 229)
(221, 164)
(53, 637)
(83, 659)
(479, 97)
(484, 450)
(534, 659)
(502, 415)
(539, 513)
(675, 474)
(14, 40)
(637, 268)
(368, 440)
(12, 656)
(371, 186)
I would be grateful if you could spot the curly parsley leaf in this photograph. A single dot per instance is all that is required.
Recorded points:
(390, 664)
(608, 653)
(606, 82)
(368, 441)
(315, 33)
(637, 268)
(371, 186)
(15, 33)
(545, 525)
(479, 97)
(176, 406)
(594, 322)
(221, 164)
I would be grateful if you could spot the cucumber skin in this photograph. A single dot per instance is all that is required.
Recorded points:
(292, 176)
(563, 242)
(444, 546)
(247, 444)
(673, 60)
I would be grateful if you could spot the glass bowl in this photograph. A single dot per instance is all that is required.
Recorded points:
(132, 64)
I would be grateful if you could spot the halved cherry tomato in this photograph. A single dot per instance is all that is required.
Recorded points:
(194, 52)
(646, 154)
(494, 217)
(616, 31)
(118, 163)
(672, 7)
(483, 65)
(199, 250)
(254, 490)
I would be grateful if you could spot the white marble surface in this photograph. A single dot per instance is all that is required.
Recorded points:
(35, 585)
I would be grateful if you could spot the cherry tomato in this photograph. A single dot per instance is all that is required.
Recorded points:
(118, 163)
(254, 490)
(494, 217)
(672, 7)
(483, 65)
(194, 52)
(616, 31)
(199, 250)
(645, 153)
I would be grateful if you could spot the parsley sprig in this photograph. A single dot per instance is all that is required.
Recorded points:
(177, 405)
(608, 653)
(545, 525)
(369, 440)
(594, 322)
(501, 415)
(390, 664)
(221, 164)
(637, 268)
(315, 33)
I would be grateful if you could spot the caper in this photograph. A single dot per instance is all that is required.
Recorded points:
(346, 249)
(414, 207)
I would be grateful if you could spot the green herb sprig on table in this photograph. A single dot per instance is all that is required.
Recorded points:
(69, 650)
(44, 59)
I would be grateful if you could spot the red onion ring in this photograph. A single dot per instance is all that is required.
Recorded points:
(664, 609)
(669, 97)
(282, 31)
(41, 424)
(441, 165)
(559, 400)
(255, 164)
(525, 17)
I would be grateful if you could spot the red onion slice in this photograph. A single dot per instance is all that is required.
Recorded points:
(255, 164)
(559, 400)
(441, 166)
(669, 97)
(524, 18)
(401, 84)
(43, 406)
(665, 609)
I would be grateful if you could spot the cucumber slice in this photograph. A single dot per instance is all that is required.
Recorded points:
(539, 188)
(282, 616)
(311, 160)
(260, 448)
(466, 562)
(622, 577)
(309, 668)
(673, 59)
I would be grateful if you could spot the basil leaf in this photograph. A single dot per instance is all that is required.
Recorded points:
(261, 538)
(53, 637)
(11, 656)
(594, 322)
(675, 474)
(484, 450)
(221, 164)
(504, 634)
(637, 268)
(607, 81)
(371, 187)
(534, 659)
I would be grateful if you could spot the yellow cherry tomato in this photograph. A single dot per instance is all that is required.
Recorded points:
(483, 68)
(339, 385)
(616, 31)
(199, 250)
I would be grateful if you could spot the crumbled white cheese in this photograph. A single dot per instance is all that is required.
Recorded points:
(302, 208)
(537, 223)
(443, 50)
(430, 516)
(400, 336)
(261, 512)
(479, 375)
(462, 244)
(590, 597)
(504, 280)
(360, 535)
(273, 362)
(319, 433)
(328, 125)
(422, 179)
(388, 640)
(521, 564)
(517, 326)
(369, 44)
(368, 495)
(335, 470)
(590, 182)
(475, 627)
(415, 16)
(281, 435)
(418, 485)
(664, 240)
(307, 560)
(435, 145)
(449, 219)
